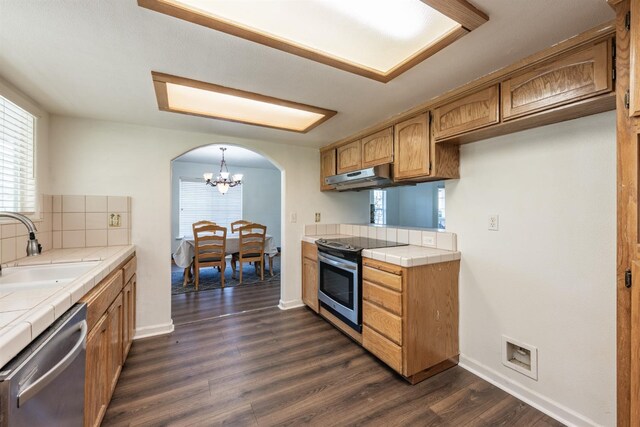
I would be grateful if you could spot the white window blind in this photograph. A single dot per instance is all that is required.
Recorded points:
(202, 202)
(17, 181)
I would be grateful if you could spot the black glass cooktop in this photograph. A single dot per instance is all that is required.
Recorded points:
(357, 243)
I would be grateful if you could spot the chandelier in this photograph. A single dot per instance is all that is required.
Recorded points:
(222, 181)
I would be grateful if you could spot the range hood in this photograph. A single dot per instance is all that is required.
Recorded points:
(375, 177)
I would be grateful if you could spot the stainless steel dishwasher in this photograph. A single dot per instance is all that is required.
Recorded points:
(44, 384)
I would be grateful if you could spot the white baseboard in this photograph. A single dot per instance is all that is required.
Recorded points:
(533, 398)
(287, 305)
(152, 331)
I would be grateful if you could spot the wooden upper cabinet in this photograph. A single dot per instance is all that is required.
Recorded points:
(411, 148)
(377, 149)
(566, 79)
(474, 111)
(349, 157)
(327, 167)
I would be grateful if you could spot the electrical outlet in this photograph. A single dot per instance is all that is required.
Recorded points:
(428, 240)
(493, 222)
(114, 220)
(294, 217)
(317, 216)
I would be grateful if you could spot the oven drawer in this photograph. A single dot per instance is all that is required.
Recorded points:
(392, 281)
(386, 323)
(390, 300)
(382, 348)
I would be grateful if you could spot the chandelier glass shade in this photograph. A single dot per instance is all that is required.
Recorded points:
(222, 182)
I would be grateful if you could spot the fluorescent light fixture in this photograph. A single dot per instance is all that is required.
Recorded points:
(379, 39)
(182, 95)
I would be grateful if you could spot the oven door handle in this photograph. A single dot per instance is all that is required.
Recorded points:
(337, 263)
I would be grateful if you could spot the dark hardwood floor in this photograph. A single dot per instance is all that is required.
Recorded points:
(198, 306)
(271, 367)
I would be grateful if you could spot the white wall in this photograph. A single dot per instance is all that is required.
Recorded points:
(547, 277)
(261, 200)
(98, 157)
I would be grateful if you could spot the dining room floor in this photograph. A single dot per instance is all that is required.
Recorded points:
(266, 367)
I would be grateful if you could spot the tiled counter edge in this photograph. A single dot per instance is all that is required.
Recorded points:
(20, 331)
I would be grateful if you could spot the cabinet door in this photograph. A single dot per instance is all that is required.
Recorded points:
(411, 157)
(377, 149)
(96, 377)
(472, 112)
(349, 157)
(128, 318)
(310, 283)
(572, 77)
(114, 359)
(327, 167)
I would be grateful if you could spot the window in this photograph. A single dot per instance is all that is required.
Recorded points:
(379, 207)
(17, 180)
(441, 218)
(201, 202)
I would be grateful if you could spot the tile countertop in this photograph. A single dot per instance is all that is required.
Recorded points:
(25, 314)
(404, 256)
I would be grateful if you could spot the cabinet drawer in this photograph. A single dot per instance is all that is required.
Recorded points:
(310, 250)
(388, 324)
(566, 79)
(101, 297)
(390, 300)
(472, 112)
(382, 348)
(383, 278)
(129, 269)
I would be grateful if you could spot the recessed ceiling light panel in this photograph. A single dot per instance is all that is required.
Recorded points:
(182, 95)
(378, 39)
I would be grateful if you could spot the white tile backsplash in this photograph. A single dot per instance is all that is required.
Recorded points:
(392, 235)
(403, 236)
(415, 237)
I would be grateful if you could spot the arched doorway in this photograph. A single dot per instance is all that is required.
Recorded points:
(258, 199)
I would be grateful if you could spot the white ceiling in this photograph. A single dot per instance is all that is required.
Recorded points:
(235, 157)
(94, 59)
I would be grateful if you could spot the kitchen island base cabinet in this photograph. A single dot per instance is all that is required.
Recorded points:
(418, 338)
(111, 322)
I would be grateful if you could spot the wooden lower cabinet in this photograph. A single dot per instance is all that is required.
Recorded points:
(310, 276)
(111, 320)
(114, 317)
(97, 373)
(129, 315)
(410, 316)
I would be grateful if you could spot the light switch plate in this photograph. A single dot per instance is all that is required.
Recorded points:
(294, 217)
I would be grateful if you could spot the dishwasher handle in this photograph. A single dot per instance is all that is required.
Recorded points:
(44, 380)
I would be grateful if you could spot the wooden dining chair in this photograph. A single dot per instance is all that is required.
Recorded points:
(235, 225)
(210, 244)
(252, 237)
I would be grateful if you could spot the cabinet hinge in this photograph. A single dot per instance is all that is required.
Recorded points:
(430, 166)
(626, 99)
(613, 74)
(627, 21)
(627, 279)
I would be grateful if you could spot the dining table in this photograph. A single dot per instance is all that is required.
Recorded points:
(183, 256)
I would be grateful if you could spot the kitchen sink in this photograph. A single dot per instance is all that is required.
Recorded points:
(42, 276)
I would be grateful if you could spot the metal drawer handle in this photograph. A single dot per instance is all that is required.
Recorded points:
(44, 380)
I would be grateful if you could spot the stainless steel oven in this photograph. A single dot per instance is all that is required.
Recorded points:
(340, 287)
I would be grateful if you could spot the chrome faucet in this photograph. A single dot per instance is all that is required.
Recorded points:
(33, 247)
